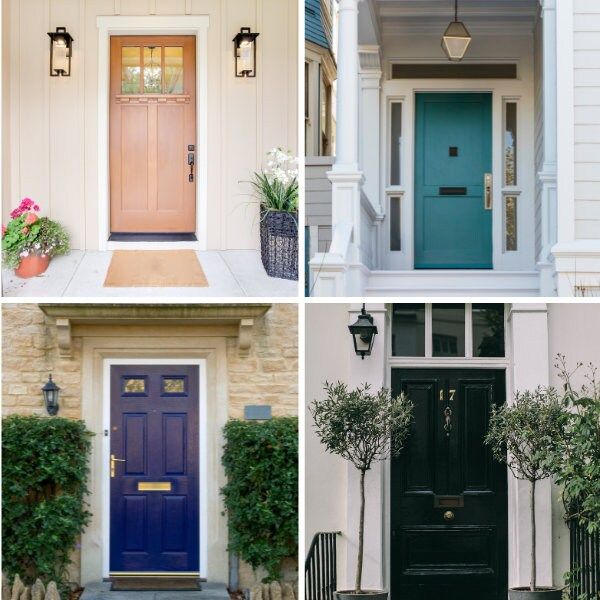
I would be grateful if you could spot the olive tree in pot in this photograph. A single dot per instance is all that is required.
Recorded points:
(525, 436)
(362, 427)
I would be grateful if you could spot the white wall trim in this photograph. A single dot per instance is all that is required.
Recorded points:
(202, 416)
(566, 122)
(153, 25)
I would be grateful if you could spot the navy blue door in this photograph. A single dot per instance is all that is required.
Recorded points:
(154, 485)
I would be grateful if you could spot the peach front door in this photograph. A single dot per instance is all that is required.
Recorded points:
(153, 134)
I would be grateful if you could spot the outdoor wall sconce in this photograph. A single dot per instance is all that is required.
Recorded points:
(51, 392)
(457, 38)
(61, 44)
(363, 333)
(244, 49)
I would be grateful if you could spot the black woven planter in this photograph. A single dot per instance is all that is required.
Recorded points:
(279, 243)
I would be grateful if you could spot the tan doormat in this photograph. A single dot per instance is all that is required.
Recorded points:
(155, 268)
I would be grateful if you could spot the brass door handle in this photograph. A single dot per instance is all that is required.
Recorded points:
(448, 516)
(114, 460)
(488, 203)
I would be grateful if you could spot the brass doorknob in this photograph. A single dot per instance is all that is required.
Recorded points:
(448, 516)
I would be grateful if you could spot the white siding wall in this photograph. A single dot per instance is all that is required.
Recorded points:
(51, 151)
(587, 118)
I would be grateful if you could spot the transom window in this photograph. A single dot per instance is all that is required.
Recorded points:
(448, 330)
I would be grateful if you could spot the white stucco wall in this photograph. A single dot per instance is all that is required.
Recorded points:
(51, 150)
(574, 331)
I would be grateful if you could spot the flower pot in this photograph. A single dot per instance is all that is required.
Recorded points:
(279, 243)
(32, 265)
(541, 594)
(364, 595)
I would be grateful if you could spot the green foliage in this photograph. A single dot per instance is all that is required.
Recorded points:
(577, 459)
(40, 237)
(261, 495)
(360, 426)
(526, 434)
(44, 474)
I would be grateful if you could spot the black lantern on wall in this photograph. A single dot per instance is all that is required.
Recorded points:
(456, 39)
(363, 333)
(244, 48)
(51, 392)
(61, 46)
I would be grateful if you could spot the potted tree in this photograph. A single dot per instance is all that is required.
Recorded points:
(276, 188)
(362, 428)
(29, 241)
(525, 436)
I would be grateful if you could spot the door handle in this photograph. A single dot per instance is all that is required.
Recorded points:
(448, 420)
(114, 460)
(487, 192)
(191, 161)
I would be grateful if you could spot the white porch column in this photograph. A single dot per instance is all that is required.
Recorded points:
(370, 370)
(528, 325)
(345, 176)
(548, 174)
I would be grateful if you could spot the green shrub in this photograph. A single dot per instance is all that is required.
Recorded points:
(261, 495)
(44, 474)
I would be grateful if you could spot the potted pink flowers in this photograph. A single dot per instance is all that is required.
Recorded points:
(30, 241)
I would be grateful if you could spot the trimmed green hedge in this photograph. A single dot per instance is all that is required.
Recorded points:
(261, 496)
(44, 475)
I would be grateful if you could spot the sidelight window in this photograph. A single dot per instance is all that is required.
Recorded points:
(396, 143)
(448, 330)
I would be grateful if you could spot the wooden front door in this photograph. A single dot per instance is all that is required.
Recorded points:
(449, 500)
(154, 478)
(152, 134)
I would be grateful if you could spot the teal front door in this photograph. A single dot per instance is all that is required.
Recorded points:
(453, 154)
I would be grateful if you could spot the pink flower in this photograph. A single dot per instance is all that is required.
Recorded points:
(3, 230)
(25, 230)
(31, 218)
(26, 205)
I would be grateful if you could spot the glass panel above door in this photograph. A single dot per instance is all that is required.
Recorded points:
(152, 69)
(130, 70)
(173, 70)
(408, 330)
(488, 330)
(448, 329)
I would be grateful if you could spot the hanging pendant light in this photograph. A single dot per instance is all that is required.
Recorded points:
(457, 38)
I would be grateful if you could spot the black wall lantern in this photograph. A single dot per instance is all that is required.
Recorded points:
(363, 333)
(244, 49)
(61, 45)
(51, 392)
(456, 39)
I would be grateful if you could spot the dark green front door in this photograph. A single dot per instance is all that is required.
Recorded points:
(448, 496)
(453, 153)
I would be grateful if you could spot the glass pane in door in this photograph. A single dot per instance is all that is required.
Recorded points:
(130, 70)
(152, 70)
(173, 70)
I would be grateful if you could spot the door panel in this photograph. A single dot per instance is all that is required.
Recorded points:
(445, 467)
(453, 151)
(154, 432)
(152, 123)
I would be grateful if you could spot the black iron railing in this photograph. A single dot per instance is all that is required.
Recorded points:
(320, 578)
(585, 562)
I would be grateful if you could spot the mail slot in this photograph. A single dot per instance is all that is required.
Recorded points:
(453, 191)
(154, 486)
(448, 501)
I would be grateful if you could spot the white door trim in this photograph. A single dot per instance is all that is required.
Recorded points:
(153, 25)
(203, 449)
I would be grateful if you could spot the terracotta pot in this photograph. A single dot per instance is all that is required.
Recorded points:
(540, 594)
(32, 265)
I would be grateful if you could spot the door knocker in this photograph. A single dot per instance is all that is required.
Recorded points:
(448, 421)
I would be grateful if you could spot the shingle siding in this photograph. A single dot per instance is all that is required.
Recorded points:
(314, 30)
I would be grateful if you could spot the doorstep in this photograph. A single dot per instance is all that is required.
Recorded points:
(100, 590)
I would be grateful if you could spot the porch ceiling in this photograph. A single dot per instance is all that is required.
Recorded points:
(423, 16)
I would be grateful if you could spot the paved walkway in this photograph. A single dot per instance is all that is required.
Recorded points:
(101, 591)
(81, 274)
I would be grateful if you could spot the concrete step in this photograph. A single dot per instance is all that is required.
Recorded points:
(100, 590)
